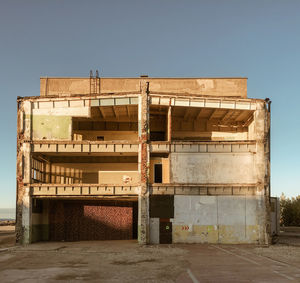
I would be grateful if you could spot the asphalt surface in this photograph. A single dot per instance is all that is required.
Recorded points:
(126, 261)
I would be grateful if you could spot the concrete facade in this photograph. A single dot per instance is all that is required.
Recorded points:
(192, 154)
(218, 219)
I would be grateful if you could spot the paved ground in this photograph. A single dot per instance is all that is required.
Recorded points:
(7, 236)
(126, 261)
(226, 263)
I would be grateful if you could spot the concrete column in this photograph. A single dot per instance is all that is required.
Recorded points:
(26, 163)
(24, 133)
(261, 128)
(26, 217)
(169, 124)
(27, 110)
(143, 219)
(144, 164)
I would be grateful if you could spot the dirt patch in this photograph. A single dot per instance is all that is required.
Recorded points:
(281, 253)
(109, 261)
(133, 262)
(68, 277)
(7, 236)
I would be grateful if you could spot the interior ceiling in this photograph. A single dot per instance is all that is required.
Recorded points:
(81, 157)
(89, 198)
(212, 114)
(215, 115)
(119, 112)
(130, 113)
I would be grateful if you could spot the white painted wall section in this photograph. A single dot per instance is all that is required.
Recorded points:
(218, 219)
(213, 168)
(154, 230)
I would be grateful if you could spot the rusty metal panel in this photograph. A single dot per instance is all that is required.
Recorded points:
(165, 232)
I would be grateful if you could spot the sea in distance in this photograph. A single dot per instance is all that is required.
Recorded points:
(7, 214)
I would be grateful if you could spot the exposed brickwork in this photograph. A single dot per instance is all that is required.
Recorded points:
(79, 221)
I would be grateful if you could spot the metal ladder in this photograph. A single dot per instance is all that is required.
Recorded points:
(94, 83)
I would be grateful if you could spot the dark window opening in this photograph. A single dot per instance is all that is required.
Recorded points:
(157, 173)
(100, 138)
(157, 136)
(90, 177)
(37, 206)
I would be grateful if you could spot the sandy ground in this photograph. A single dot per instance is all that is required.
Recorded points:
(126, 261)
(109, 261)
(7, 236)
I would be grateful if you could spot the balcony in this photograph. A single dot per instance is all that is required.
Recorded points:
(206, 189)
(76, 190)
(84, 146)
(203, 147)
(63, 190)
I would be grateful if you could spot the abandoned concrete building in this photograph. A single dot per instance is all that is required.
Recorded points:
(160, 160)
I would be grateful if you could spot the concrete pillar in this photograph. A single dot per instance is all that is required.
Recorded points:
(24, 133)
(144, 164)
(26, 217)
(169, 124)
(260, 129)
(27, 109)
(143, 219)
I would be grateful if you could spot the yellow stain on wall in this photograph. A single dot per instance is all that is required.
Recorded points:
(226, 234)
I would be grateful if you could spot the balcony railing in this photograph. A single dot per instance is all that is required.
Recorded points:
(133, 146)
(82, 189)
(203, 146)
(206, 189)
(75, 190)
(84, 146)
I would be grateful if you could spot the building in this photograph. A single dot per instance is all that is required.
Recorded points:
(181, 160)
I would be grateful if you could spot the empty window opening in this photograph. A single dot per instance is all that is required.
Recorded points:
(157, 136)
(157, 173)
(37, 206)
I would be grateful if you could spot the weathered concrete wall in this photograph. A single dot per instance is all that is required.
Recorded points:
(26, 216)
(55, 123)
(154, 231)
(234, 87)
(40, 223)
(119, 177)
(213, 168)
(90, 173)
(51, 127)
(219, 219)
(209, 135)
(165, 169)
(275, 216)
(229, 136)
(108, 135)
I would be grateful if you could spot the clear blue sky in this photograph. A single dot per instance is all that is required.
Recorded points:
(258, 39)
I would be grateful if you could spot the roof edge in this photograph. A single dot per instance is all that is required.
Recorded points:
(180, 78)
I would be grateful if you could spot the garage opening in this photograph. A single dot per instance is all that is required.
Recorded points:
(89, 220)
